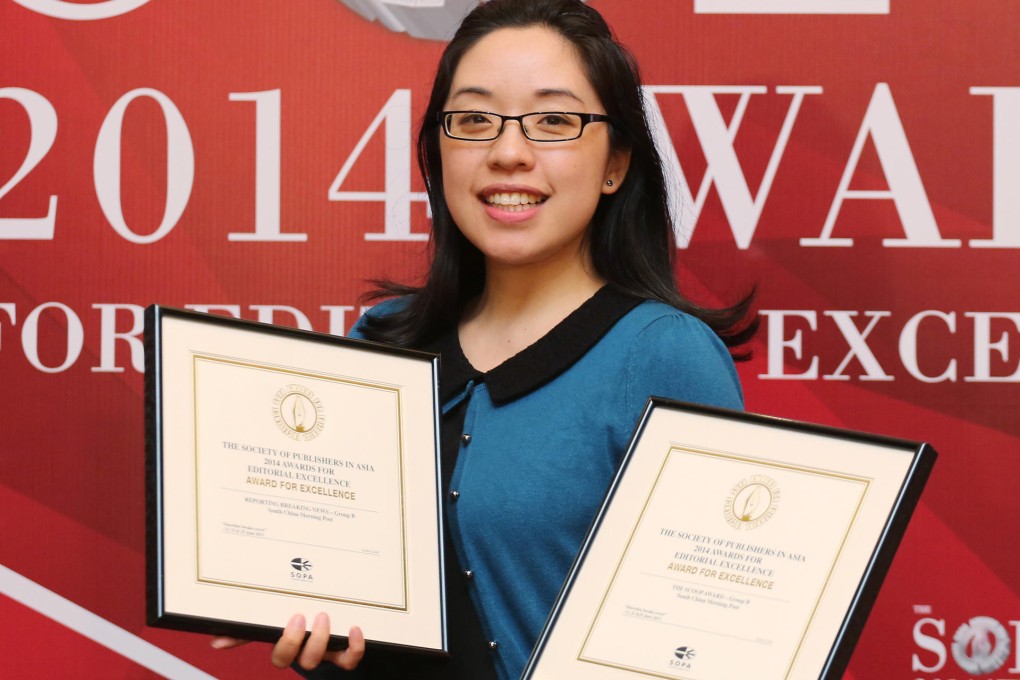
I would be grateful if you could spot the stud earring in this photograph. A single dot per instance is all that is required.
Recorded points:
(609, 182)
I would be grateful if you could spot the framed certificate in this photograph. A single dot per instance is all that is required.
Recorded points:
(732, 546)
(291, 472)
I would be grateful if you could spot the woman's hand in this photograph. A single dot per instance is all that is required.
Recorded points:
(289, 646)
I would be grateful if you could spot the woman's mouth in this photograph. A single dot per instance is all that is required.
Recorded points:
(513, 201)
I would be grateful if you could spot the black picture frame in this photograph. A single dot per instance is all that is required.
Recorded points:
(887, 473)
(177, 593)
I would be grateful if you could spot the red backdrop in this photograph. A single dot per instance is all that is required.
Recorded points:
(857, 160)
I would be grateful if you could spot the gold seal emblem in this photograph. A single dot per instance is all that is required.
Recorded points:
(751, 502)
(298, 412)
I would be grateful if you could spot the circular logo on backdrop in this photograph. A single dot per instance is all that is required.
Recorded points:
(298, 412)
(429, 19)
(76, 11)
(751, 502)
(981, 645)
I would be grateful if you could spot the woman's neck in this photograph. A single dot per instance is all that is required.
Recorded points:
(518, 306)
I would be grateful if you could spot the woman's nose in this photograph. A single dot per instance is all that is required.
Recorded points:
(511, 149)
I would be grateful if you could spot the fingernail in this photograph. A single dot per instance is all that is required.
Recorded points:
(297, 622)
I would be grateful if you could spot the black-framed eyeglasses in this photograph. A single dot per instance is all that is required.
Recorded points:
(541, 126)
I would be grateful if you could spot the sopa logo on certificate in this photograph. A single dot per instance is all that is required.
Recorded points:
(684, 659)
(298, 412)
(302, 569)
(752, 502)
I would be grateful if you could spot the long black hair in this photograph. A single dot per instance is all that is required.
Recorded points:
(630, 239)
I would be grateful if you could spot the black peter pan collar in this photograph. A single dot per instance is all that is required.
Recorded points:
(540, 362)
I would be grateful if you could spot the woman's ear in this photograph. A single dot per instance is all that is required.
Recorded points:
(616, 170)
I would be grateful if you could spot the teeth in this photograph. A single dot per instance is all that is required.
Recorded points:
(513, 201)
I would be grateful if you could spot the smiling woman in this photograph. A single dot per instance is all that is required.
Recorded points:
(551, 298)
(525, 206)
(629, 240)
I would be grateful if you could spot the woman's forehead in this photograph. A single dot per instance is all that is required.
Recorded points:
(522, 64)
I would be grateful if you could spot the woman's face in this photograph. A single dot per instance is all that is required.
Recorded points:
(522, 202)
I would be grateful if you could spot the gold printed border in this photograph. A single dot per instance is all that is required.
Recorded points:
(273, 368)
(677, 449)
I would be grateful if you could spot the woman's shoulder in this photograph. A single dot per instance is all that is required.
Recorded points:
(675, 354)
(388, 306)
(653, 320)
(380, 310)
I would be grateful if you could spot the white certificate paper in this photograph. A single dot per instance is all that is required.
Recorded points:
(290, 472)
(317, 511)
(732, 546)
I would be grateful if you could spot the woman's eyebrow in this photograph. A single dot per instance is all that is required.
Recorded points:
(542, 93)
(471, 89)
(558, 92)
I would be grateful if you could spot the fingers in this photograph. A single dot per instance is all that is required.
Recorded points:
(349, 658)
(287, 647)
(311, 654)
(226, 642)
(315, 646)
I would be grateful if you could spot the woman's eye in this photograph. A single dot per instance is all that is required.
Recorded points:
(564, 123)
(473, 119)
